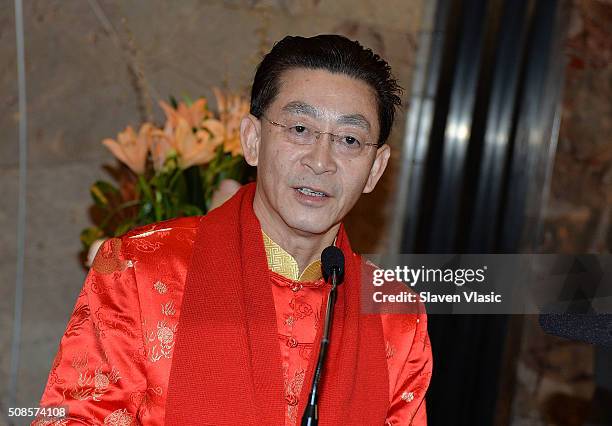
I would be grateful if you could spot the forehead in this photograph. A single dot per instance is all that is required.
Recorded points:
(333, 94)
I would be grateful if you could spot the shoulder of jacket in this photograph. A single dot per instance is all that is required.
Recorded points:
(175, 225)
(168, 238)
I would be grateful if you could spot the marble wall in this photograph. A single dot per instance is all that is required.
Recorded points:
(93, 67)
(554, 375)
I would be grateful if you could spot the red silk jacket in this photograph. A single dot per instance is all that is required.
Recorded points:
(114, 359)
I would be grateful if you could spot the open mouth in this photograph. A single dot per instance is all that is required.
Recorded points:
(311, 192)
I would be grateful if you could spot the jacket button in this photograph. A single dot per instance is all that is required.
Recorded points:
(292, 342)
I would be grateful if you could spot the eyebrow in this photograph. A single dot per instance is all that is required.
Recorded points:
(302, 108)
(357, 120)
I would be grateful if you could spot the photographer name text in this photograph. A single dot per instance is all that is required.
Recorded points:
(428, 297)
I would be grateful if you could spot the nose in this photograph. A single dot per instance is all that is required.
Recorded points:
(319, 157)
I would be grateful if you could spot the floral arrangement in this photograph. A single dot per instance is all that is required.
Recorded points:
(170, 171)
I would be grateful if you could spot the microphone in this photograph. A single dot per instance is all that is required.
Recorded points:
(332, 262)
(592, 328)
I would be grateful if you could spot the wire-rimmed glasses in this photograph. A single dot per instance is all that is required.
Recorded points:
(344, 145)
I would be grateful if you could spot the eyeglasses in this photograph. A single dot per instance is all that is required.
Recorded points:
(344, 145)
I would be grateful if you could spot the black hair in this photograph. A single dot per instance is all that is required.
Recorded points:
(336, 54)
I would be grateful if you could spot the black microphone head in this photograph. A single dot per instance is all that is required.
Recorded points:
(595, 329)
(332, 258)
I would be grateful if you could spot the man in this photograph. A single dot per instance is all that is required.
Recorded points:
(217, 319)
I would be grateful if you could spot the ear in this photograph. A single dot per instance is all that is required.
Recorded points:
(250, 138)
(378, 167)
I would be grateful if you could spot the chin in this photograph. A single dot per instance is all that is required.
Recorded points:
(309, 225)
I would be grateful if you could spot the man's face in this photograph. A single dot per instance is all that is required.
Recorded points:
(288, 173)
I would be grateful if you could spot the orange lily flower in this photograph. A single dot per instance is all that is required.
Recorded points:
(193, 148)
(131, 149)
(161, 146)
(232, 108)
(194, 114)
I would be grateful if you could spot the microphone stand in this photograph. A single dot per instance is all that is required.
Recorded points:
(311, 413)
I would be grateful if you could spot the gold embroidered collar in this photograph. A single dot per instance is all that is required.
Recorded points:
(284, 264)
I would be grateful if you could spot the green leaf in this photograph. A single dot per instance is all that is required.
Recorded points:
(179, 186)
(187, 100)
(147, 208)
(144, 188)
(101, 191)
(124, 226)
(190, 210)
